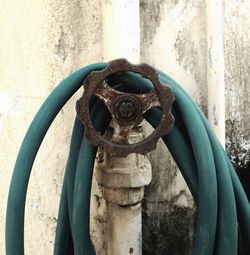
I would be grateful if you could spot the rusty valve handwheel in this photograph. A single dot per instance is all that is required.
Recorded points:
(126, 108)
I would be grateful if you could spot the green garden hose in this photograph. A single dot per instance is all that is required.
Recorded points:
(222, 203)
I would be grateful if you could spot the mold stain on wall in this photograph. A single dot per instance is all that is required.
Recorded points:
(237, 89)
(237, 84)
(153, 11)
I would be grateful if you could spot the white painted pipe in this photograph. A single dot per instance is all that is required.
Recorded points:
(121, 29)
(123, 181)
(215, 68)
(121, 39)
(124, 225)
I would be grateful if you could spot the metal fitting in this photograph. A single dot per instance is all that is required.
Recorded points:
(126, 108)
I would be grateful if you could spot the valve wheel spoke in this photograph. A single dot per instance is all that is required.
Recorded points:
(121, 133)
(148, 100)
(107, 94)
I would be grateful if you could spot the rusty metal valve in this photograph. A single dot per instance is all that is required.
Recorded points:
(126, 108)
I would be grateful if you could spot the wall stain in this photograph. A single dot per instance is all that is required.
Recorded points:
(238, 149)
(167, 230)
(237, 145)
(210, 61)
(187, 53)
(151, 13)
(215, 116)
(61, 46)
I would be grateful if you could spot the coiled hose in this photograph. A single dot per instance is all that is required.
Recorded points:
(221, 201)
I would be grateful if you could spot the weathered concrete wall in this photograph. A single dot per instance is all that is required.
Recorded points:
(41, 42)
(237, 80)
(173, 39)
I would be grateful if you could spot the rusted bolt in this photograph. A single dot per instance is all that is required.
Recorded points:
(126, 109)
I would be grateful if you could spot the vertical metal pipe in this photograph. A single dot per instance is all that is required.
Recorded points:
(123, 181)
(121, 39)
(215, 68)
(121, 29)
(125, 235)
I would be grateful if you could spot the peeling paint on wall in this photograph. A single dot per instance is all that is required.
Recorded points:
(238, 146)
